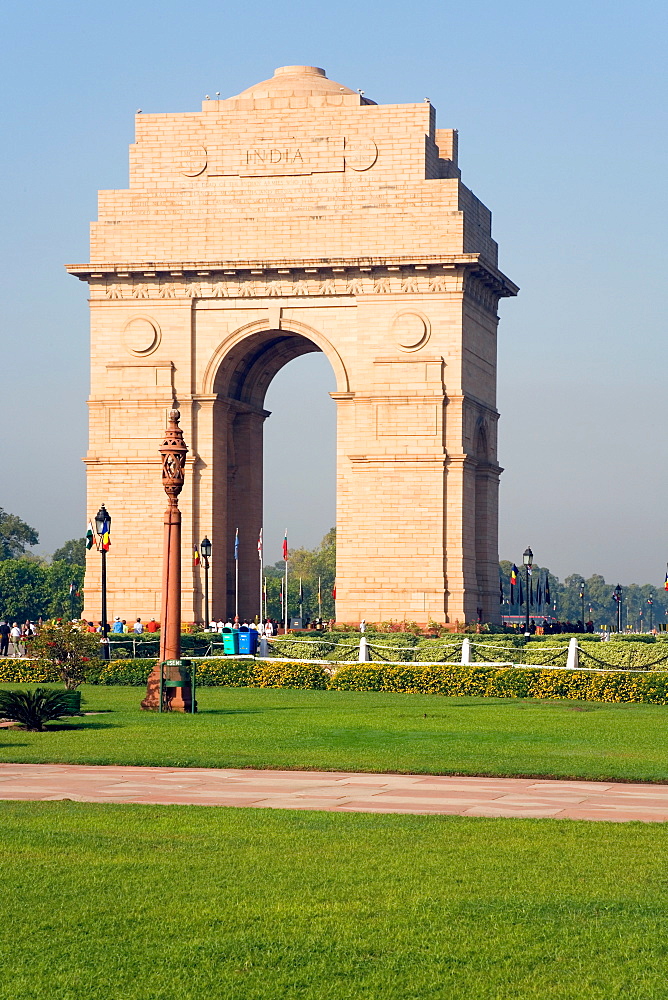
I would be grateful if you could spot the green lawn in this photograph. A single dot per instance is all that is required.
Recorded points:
(340, 730)
(184, 903)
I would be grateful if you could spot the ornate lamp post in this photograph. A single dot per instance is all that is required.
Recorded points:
(173, 453)
(617, 594)
(205, 550)
(103, 527)
(527, 559)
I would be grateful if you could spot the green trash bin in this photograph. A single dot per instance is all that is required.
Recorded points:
(74, 702)
(231, 641)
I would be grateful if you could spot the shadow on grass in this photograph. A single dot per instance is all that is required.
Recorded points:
(78, 726)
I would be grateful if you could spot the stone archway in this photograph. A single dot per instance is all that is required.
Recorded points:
(300, 216)
(238, 378)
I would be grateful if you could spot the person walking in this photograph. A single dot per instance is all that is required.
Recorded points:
(15, 636)
(4, 638)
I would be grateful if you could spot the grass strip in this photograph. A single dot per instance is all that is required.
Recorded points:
(353, 731)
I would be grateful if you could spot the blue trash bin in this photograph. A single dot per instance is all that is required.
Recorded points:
(248, 641)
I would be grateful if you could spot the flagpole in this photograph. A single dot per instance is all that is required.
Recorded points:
(285, 619)
(301, 602)
(236, 574)
(261, 555)
(319, 597)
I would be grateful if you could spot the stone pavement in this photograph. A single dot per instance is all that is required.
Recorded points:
(337, 791)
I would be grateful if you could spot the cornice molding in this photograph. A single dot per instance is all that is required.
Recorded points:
(412, 274)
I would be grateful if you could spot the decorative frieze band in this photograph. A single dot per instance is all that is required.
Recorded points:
(239, 287)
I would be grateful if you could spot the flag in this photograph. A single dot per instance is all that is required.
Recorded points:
(531, 593)
(539, 592)
(665, 585)
(334, 592)
(521, 600)
(500, 591)
(105, 540)
(513, 575)
(196, 556)
(301, 591)
(90, 539)
(236, 544)
(73, 588)
(285, 546)
(547, 589)
(259, 545)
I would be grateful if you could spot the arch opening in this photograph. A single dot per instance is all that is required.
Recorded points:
(241, 384)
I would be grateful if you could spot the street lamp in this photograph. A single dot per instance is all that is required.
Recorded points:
(617, 594)
(205, 549)
(527, 559)
(103, 526)
(650, 601)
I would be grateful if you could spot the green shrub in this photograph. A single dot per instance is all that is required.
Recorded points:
(126, 672)
(439, 650)
(625, 656)
(392, 646)
(260, 673)
(24, 671)
(504, 682)
(315, 647)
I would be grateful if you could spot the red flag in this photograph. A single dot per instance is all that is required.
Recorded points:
(334, 592)
(285, 546)
(665, 585)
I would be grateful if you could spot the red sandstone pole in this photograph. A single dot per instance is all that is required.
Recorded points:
(173, 453)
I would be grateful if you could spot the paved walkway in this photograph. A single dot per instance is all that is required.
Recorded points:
(337, 791)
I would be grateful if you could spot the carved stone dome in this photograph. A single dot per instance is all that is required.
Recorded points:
(291, 84)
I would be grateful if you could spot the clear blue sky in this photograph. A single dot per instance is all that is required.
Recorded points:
(561, 113)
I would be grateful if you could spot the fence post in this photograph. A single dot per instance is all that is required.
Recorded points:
(573, 662)
(364, 650)
(466, 650)
(264, 646)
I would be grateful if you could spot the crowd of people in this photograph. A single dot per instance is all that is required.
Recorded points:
(15, 636)
(121, 627)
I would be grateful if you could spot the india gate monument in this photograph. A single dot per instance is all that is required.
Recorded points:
(298, 216)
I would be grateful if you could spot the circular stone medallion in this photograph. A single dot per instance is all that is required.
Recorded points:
(191, 160)
(141, 336)
(410, 330)
(360, 153)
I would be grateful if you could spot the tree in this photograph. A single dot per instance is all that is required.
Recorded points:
(73, 552)
(23, 589)
(60, 577)
(15, 535)
(311, 565)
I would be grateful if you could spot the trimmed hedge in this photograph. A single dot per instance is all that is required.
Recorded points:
(451, 679)
(20, 671)
(504, 682)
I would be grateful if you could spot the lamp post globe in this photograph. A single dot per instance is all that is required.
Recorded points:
(527, 559)
(205, 550)
(618, 598)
